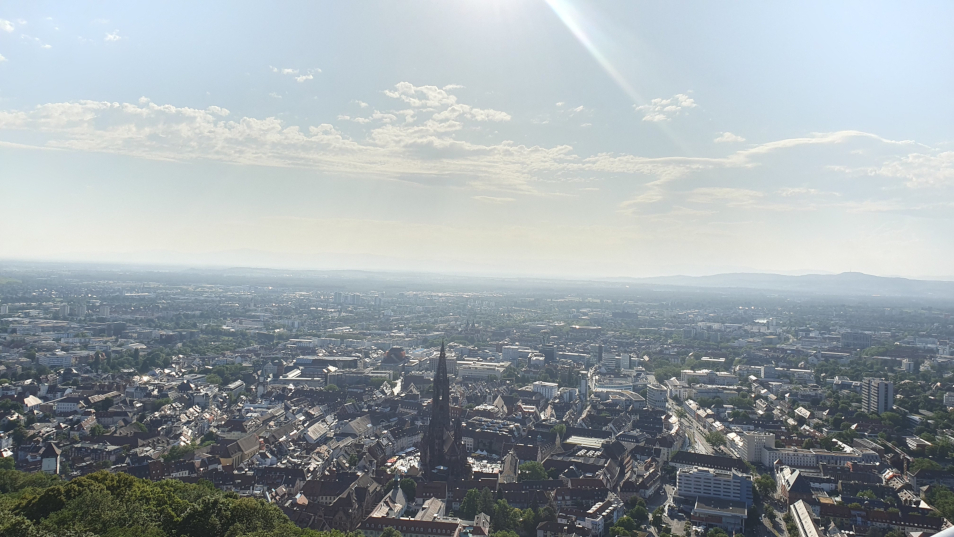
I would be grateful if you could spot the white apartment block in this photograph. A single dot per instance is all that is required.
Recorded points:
(748, 445)
(657, 396)
(710, 483)
(805, 458)
(56, 360)
(547, 389)
(877, 395)
(705, 376)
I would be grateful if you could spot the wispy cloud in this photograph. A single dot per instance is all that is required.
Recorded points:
(728, 137)
(2, 59)
(36, 40)
(6, 25)
(297, 74)
(113, 36)
(733, 197)
(492, 199)
(919, 170)
(665, 109)
(428, 137)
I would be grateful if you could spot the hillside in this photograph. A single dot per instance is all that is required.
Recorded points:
(119, 505)
(844, 284)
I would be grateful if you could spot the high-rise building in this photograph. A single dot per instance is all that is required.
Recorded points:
(907, 365)
(657, 396)
(611, 362)
(4, 309)
(747, 445)
(104, 311)
(443, 456)
(855, 340)
(549, 353)
(877, 395)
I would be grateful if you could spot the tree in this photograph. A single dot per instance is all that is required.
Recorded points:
(353, 460)
(501, 518)
(7, 463)
(657, 517)
(104, 405)
(715, 438)
(531, 471)
(808, 443)
(559, 429)
(19, 434)
(212, 378)
(923, 464)
(639, 513)
(765, 485)
(717, 532)
(529, 521)
(470, 504)
(390, 532)
(409, 487)
(486, 504)
(891, 418)
(627, 523)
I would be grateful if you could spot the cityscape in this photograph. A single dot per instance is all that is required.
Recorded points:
(374, 403)
(476, 268)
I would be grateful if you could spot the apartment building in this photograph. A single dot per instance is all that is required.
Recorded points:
(710, 483)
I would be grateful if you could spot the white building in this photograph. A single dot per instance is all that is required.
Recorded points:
(657, 396)
(56, 360)
(805, 458)
(547, 389)
(480, 370)
(705, 376)
(877, 395)
(747, 445)
(711, 483)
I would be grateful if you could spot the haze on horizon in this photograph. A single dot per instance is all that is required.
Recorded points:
(560, 138)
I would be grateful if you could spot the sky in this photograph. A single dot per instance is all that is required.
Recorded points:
(548, 138)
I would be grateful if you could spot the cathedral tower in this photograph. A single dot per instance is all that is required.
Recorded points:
(443, 456)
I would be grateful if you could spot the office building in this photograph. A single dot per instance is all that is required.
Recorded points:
(711, 483)
(747, 445)
(855, 340)
(657, 396)
(877, 396)
(547, 389)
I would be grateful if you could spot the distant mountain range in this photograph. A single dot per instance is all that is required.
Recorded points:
(844, 284)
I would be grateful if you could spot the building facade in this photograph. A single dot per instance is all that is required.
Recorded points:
(877, 396)
(709, 483)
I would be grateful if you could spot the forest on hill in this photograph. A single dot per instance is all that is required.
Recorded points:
(120, 505)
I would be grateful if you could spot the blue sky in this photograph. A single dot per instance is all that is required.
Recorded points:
(555, 138)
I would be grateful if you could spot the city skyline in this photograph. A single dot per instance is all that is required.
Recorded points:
(554, 139)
